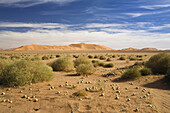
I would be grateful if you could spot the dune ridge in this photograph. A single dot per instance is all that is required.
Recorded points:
(80, 46)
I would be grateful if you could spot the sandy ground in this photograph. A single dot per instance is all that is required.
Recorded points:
(158, 100)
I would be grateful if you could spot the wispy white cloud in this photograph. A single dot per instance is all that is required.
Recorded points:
(114, 36)
(149, 13)
(152, 7)
(160, 27)
(33, 25)
(28, 3)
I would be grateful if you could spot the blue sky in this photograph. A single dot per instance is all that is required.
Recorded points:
(112, 23)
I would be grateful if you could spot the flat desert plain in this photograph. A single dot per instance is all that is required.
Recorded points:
(148, 94)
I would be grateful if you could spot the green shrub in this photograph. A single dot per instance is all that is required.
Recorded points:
(146, 71)
(81, 60)
(3, 64)
(96, 56)
(132, 58)
(63, 64)
(45, 58)
(109, 65)
(167, 78)
(101, 63)
(15, 57)
(80, 93)
(127, 61)
(3, 57)
(159, 63)
(131, 74)
(102, 58)
(90, 56)
(122, 58)
(57, 56)
(85, 69)
(109, 59)
(24, 72)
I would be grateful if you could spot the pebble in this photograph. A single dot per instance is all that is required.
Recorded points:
(128, 99)
(3, 93)
(102, 94)
(36, 100)
(80, 99)
(58, 92)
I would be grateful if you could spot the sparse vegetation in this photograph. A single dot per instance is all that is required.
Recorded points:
(146, 71)
(45, 58)
(109, 65)
(159, 63)
(85, 69)
(109, 59)
(15, 57)
(122, 58)
(80, 93)
(90, 56)
(81, 60)
(131, 74)
(102, 58)
(3, 57)
(24, 72)
(63, 64)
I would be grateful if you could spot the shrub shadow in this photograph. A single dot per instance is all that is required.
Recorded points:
(72, 75)
(159, 84)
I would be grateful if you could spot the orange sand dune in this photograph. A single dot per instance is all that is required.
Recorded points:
(144, 49)
(81, 46)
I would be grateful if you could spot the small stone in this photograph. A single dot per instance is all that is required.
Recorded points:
(30, 89)
(117, 88)
(141, 97)
(147, 94)
(136, 110)
(8, 89)
(33, 97)
(128, 99)
(60, 85)
(28, 98)
(126, 88)
(20, 91)
(149, 105)
(133, 94)
(10, 102)
(58, 92)
(144, 96)
(3, 100)
(117, 98)
(3, 93)
(52, 87)
(117, 91)
(30, 83)
(87, 97)
(137, 87)
(87, 89)
(102, 94)
(36, 100)
(80, 99)
(25, 96)
(49, 84)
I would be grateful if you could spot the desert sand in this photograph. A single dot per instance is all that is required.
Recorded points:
(49, 101)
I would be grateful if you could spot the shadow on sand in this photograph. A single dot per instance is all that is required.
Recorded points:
(159, 84)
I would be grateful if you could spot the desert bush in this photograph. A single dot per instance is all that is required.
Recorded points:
(109, 65)
(63, 64)
(113, 56)
(146, 71)
(131, 74)
(101, 63)
(159, 63)
(127, 61)
(109, 59)
(3, 64)
(57, 56)
(90, 56)
(102, 58)
(132, 58)
(167, 78)
(85, 69)
(96, 56)
(24, 72)
(139, 56)
(15, 57)
(122, 58)
(45, 58)
(3, 57)
(80, 93)
(81, 60)
(51, 57)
